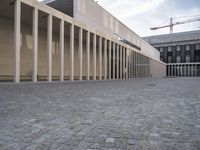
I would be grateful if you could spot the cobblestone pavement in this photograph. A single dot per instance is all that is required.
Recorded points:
(142, 114)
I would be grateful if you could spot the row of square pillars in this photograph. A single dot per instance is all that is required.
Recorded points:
(118, 52)
(139, 65)
(182, 70)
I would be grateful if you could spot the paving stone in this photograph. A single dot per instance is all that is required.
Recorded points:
(110, 140)
(131, 141)
(119, 115)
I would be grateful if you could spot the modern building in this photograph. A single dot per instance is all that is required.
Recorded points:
(70, 40)
(180, 51)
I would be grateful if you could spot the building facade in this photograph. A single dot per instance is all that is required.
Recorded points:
(180, 51)
(60, 40)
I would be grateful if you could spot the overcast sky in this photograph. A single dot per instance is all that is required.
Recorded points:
(140, 15)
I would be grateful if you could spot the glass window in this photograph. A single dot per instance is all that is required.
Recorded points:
(178, 48)
(187, 58)
(169, 49)
(197, 46)
(178, 59)
(161, 49)
(187, 47)
(169, 59)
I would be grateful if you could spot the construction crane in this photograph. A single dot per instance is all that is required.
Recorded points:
(172, 24)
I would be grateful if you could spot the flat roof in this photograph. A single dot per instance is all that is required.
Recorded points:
(174, 37)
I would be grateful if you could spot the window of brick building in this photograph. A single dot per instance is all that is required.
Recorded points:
(161, 49)
(197, 46)
(178, 59)
(169, 59)
(170, 49)
(178, 48)
(187, 47)
(187, 58)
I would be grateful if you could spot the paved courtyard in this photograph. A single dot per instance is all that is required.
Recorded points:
(141, 114)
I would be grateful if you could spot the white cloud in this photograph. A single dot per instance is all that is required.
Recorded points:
(129, 8)
(140, 15)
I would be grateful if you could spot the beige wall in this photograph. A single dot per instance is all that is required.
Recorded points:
(7, 52)
(92, 14)
(157, 69)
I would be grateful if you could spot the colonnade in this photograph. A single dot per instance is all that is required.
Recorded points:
(139, 65)
(183, 69)
(115, 57)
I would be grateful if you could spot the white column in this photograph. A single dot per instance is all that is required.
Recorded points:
(88, 56)
(124, 62)
(71, 52)
(17, 39)
(35, 45)
(188, 70)
(175, 70)
(105, 59)
(113, 60)
(80, 53)
(100, 58)
(94, 57)
(127, 52)
(185, 70)
(172, 70)
(136, 65)
(61, 49)
(49, 48)
(195, 70)
(178, 70)
(192, 70)
(117, 61)
(110, 46)
(120, 62)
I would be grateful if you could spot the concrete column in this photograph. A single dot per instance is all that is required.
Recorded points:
(185, 70)
(105, 59)
(100, 58)
(35, 45)
(188, 70)
(124, 68)
(49, 48)
(195, 70)
(113, 60)
(17, 40)
(178, 70)
(127, 73)
(71, 52)
(168, 70)
(172, 67)
(130, 72)
(175, 70)
(136, 65)
(117, 61)
(192, 71)
(94, 57)
(120, 62)
(110, 47)
(88, 56)
(80, 53)
(61, 49)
